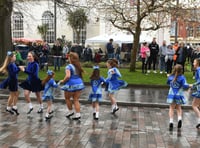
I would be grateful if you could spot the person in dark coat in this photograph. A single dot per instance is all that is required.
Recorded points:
(154, 50)
(181, 53)
(57, 55)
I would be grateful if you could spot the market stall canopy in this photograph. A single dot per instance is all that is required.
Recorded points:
(118, 38)
(26, 40)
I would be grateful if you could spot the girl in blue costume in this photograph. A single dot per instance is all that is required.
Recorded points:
(196, 93)
(113, 83)
(33, 82)
(49, 84)
(96, 93)
(175, 98)
(10, 67)
(73, 84)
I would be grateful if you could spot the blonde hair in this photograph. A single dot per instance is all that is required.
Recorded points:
(4, 68)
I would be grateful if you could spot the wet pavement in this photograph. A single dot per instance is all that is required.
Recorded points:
(131, 127)
(134, 125)
(137, 96)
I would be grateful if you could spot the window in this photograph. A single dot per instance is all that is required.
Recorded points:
(17, 25)
(190, 31)
(48, 18)
(198, 31)
(82, 36)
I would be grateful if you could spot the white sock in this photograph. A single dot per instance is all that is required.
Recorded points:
(113, 106)
(171, 120)
(8, 108)
(30, 105)
(94, 110)
(15, 107)
(97, 114)
(41, 106)
(47, 114)
(179, 118)
(116, 105)
(199, 120)
(78, 114)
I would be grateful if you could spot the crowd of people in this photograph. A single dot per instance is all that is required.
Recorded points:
(72, 85)
(166, 56)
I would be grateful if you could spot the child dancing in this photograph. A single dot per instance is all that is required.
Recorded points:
(113, 83)
(96, 93)
(175, 98)
(196, 93)
(49, 84)
(10, 67)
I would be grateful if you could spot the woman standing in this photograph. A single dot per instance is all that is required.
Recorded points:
(73, 84)
(145, 53)
(33, 82)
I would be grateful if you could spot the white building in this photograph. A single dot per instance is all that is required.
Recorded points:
(28, 15)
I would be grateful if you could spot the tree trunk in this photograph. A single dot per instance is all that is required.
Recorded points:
(5, 28)
(135, 47)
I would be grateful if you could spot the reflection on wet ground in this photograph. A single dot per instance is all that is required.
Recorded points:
(131, 127)
(128, 95)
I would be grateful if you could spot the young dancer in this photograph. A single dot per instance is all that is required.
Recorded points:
(73, 84)
(196, 93)
(33, 82)
(96, 93)
(10, 67)
(175, 98)
(49, 84)
(113, 83)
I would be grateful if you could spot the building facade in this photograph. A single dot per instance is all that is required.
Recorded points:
(30, 14)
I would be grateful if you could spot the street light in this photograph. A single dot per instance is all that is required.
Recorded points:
(176, 23)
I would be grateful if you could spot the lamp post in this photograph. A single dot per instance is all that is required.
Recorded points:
(55, 15)
(176, 23)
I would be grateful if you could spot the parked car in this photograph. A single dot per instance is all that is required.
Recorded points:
(23, 49)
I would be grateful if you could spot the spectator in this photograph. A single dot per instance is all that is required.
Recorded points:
(145, 53)
(154, 49)
(169, 58)
(87, 54)
(57, 49)
(181, 54)
(162, 52)
(110, 49)
(19, 60)
(65, 50)
(189, 53)
(176, 45)
(117, 54)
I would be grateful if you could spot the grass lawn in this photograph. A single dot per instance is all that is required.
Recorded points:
(130, 77)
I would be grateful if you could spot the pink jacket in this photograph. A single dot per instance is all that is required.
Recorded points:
(143, 50)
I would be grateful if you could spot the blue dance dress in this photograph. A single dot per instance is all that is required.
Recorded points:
(11, 82)
(96, 92)
(176, 94)
(74, 83)
(196, 85)
(113, 83)
(49, 89)
(33, 82)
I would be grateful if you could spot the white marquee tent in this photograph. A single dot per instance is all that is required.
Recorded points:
(118, 38)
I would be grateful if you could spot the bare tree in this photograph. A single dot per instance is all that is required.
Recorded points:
(135, 16)
(5, 27)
